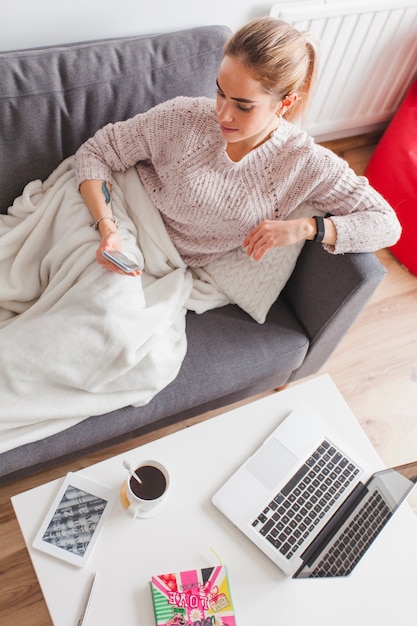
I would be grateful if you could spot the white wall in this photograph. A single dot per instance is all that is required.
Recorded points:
(32, 23)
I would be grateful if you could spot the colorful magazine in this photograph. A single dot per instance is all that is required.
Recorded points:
(198, 597)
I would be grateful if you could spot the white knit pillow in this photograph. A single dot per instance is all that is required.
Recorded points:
(255, 285)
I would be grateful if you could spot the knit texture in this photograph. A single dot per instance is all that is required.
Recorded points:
(209, 203)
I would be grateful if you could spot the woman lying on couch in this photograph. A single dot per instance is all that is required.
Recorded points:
(229, 172)
(194, 182)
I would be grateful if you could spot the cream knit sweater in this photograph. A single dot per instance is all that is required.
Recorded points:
(209, 203)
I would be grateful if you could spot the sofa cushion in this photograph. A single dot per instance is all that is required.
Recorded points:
(229, 358)
(256, 285)
(53, 99)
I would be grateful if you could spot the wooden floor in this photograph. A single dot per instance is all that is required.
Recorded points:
(375, 368)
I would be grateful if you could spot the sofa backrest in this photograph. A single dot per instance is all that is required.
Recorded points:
(52, 99)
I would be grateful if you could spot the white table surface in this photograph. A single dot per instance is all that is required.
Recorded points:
(381, 590)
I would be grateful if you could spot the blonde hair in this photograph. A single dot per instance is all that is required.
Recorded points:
(280, 57)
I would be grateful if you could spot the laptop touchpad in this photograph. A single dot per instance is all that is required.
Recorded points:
(271, 463)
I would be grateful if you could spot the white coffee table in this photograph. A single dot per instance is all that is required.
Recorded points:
(380, 591)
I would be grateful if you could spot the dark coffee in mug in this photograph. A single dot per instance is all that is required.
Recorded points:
(153, 483)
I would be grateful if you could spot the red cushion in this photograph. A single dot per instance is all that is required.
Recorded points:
(392, 171)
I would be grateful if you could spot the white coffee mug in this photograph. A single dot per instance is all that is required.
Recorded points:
(145, 488)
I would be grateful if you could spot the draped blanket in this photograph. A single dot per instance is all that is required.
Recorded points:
(75, 339)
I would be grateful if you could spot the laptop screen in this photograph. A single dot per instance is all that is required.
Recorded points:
(409, 470)
(346, 543)
(395, 483)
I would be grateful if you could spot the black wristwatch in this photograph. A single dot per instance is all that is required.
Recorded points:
(321, 231)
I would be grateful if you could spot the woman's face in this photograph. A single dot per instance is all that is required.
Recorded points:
(246, 113)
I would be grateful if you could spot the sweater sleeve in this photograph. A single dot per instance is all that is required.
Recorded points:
(114, 148)
(372, 225)
(364, 221)
(159, 135)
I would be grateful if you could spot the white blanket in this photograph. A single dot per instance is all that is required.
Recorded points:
(75, 339)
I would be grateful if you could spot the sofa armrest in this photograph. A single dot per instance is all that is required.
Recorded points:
(326, 293)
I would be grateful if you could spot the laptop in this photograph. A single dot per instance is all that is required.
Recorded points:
(307, 503)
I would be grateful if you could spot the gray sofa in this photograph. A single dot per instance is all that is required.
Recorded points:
(52, 99)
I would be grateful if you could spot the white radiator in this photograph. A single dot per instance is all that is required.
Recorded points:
(368, 59)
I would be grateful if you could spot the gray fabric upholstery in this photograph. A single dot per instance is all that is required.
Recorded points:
(229, 357)
(51, 100)
(64, 94)
(327, 293)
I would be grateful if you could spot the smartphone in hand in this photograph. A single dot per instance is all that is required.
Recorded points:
(122, 261)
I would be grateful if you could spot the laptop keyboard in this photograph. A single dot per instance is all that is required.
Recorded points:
(303, 502)
(360, 533)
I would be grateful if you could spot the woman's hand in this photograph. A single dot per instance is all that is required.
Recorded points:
(275, 233)
(111, 240)
(97, 196)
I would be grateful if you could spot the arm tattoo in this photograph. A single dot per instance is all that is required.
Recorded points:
(107, 199)
(106, 192)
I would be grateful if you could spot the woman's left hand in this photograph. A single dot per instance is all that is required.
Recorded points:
(273, 233)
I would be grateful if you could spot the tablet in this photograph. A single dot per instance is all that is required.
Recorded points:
(74, 520)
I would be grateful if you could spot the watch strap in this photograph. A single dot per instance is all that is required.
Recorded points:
(321, 231)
